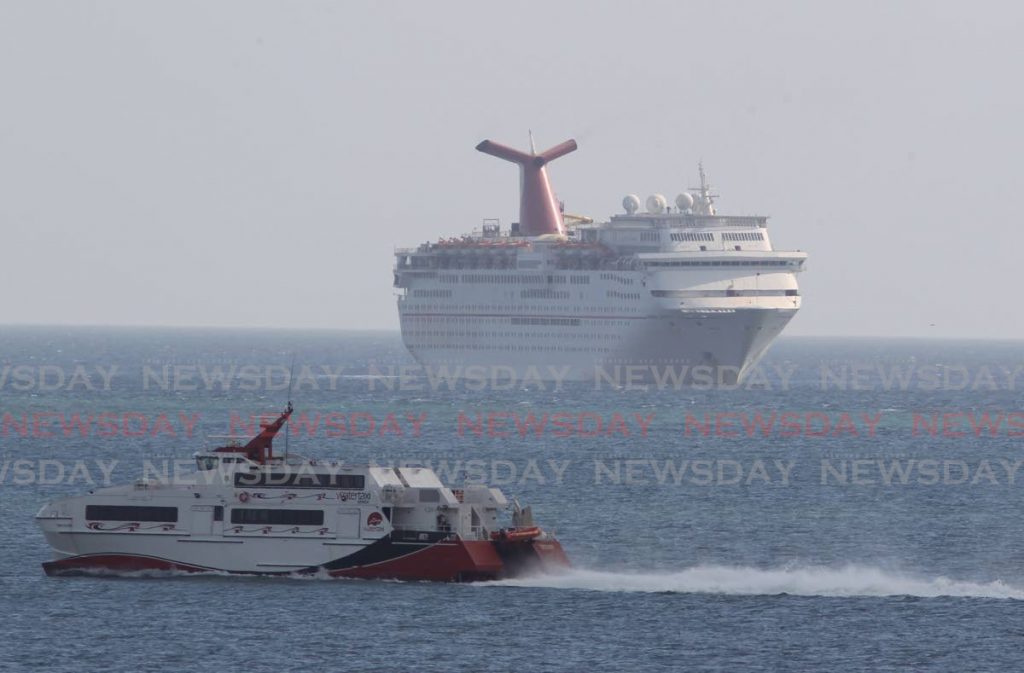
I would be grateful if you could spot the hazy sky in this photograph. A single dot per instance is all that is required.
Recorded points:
(253, 163)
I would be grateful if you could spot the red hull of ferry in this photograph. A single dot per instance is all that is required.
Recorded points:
(447, 561)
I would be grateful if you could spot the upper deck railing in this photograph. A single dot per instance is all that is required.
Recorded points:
(670, 220)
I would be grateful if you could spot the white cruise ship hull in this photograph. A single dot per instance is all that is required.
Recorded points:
(685, 347)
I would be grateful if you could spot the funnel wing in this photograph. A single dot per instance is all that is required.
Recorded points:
(504, 152)
(559, 150)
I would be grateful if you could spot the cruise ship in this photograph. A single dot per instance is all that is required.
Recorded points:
(669, 292)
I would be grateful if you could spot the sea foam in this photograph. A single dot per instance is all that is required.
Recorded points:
(848, 580)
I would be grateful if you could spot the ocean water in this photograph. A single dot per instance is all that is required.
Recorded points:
(856, 507)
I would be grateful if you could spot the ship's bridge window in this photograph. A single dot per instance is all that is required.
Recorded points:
(742, 236)
(206, 462)
(430, 495)
(692, 236)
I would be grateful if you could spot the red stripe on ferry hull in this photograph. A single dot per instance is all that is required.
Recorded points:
(457, 561)
(116, 563)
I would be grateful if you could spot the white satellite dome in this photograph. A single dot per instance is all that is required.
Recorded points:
(656, 204)
(684, 201)
(631, 203)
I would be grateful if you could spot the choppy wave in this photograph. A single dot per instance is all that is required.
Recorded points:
(850, 580)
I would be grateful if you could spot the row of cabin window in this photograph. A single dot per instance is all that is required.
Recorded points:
(511, 279)
(620, 279)
(584, 335)
(278, 517)
(742, 236)
(543, 294)
(272, 517)
(506, 308)
(692, 236)
(723, 263)
(131, 513)
(411, 319)
(568, 322)
(431, 346)
(726, 236)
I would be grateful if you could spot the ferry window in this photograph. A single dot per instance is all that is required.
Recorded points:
(430, 495)
(349, 481)
(218, 513)
(128, 513)
(278, 517)
(206, 462)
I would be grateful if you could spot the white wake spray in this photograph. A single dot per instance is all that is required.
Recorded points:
(850, 580)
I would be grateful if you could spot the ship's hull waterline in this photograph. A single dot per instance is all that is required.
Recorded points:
(441, 559)
(717, 347)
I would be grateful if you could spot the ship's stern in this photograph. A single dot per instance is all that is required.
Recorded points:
(529, 552)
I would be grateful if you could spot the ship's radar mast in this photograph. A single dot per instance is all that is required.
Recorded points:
(704, 203)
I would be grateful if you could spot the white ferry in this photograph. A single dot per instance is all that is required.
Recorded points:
(666, 288)
(249, 511)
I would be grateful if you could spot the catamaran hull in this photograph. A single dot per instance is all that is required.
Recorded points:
(442, 561)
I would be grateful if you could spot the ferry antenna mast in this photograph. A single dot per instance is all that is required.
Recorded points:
(287, 426)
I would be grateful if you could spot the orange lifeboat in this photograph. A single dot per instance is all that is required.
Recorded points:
(516, 534)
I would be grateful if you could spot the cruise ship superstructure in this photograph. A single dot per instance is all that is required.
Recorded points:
(675, 291)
